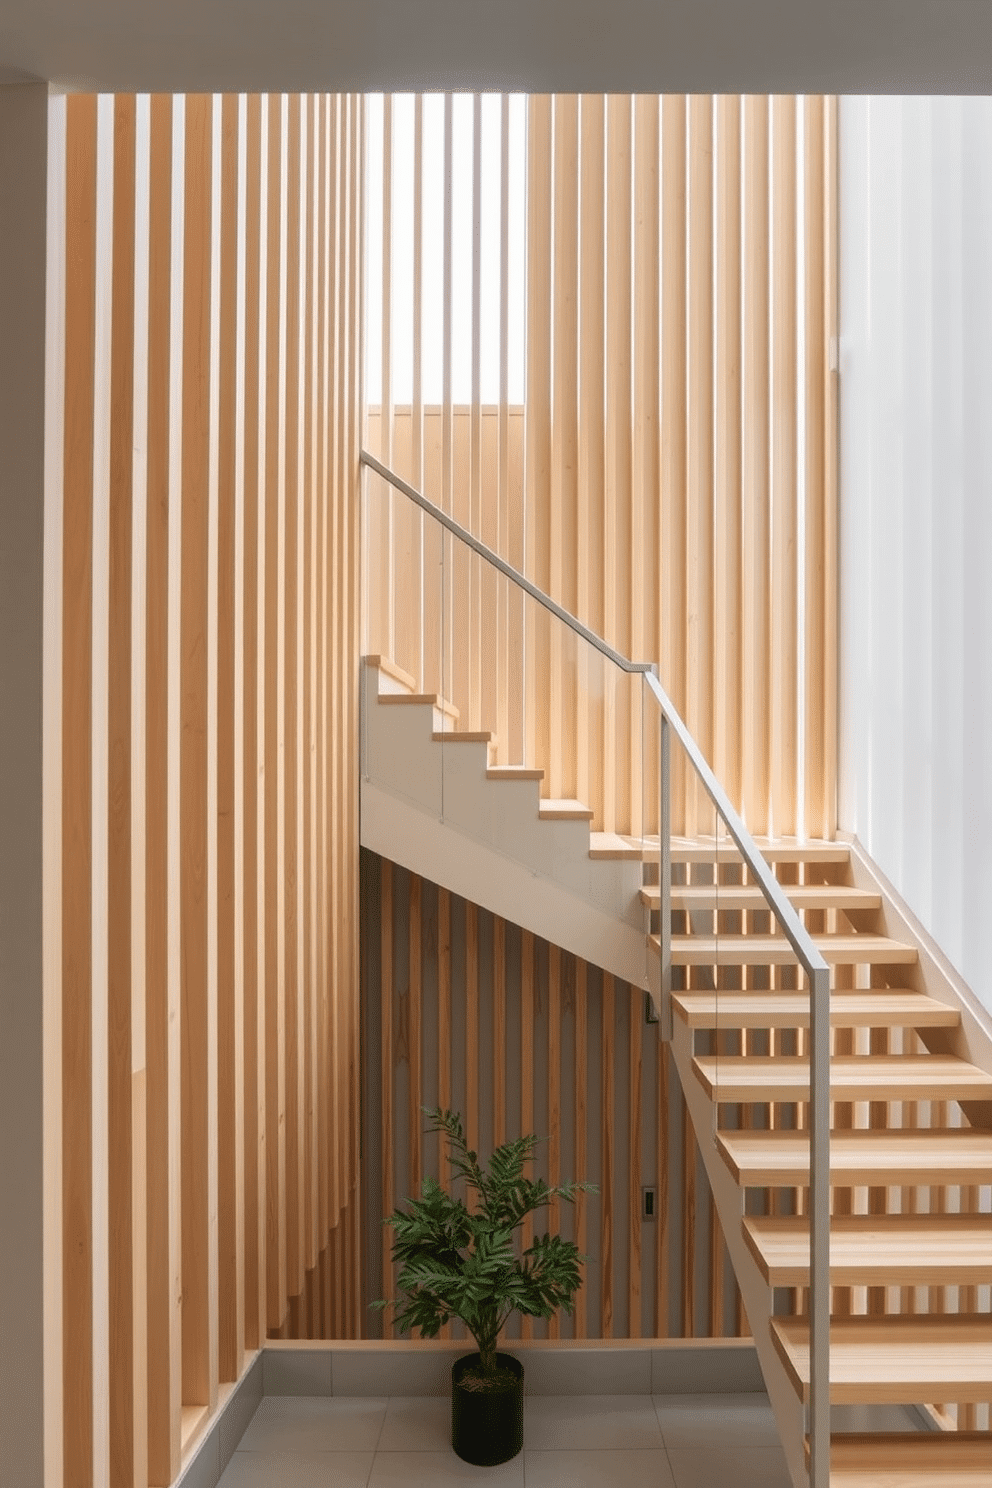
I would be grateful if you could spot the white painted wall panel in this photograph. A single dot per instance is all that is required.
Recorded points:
(916, 507)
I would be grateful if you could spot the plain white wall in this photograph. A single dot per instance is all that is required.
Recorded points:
(916, 508)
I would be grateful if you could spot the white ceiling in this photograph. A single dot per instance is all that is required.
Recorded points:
(847, 46)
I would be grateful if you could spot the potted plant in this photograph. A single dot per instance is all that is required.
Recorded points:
(466, 1263)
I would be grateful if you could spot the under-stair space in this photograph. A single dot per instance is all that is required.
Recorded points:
(910, 1157)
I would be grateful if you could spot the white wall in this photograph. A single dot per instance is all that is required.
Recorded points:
(916, 508)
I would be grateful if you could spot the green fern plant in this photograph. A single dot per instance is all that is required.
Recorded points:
(457, 1262)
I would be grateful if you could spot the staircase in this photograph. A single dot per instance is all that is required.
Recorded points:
(910, 1068)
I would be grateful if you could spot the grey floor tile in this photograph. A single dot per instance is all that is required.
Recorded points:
(440, 1470)
(290, 1423)
(298, 1470)
(416, 1424)
(716, 1420)
(741, 1467)
(581, 1422)
(645, 1467)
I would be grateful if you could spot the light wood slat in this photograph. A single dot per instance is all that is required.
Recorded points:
(230, 1007)
(76, 578)
(475, 627)
(784, 427)
(956, 1459)
(161, 1002)
(590, 483)
(289, 659)
(443, 999)
(727, 392)
(791, 1010)
(125, 1176)
(674, 469)
(662, 1199)
(817, 788)
(831, 468)
(893, 1361)
(635, 1254)
(885, 1250)
(890, 1078)
(689, 1215)
(526, 1077)
(755, 468)
(731, 898)
(607, 1118)
(580, 1131)
(199, 1054)
(386, 1038)
(537, 426)
(499, 1032)
(553, 1223)
(414, 1039)
(646, 600)
(307, 803)
(472, 1052)
(699, 421)
(749, 950)
(275, 1243)
(564, 442)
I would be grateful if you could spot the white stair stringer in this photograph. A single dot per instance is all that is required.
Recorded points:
(756, 1294)
(429, 805)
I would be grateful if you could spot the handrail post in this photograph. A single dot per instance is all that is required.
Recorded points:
(819, 1231)
(665, 878)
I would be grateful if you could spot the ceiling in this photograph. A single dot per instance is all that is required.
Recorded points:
(847, 46)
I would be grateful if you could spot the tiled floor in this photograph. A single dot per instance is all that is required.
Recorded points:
(570, 1441)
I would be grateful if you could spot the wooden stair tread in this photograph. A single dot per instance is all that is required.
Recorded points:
(611, 847)
(775, 950)
(513, 772)
(768, 1159)
(422, 699)
(463, 736)
(877, 1250)
(894, 1360)
(383, 664)
(911, 1459)
(563, 809)
(706, 850)
(879, 1077)
(882, 1008)
(734, 897)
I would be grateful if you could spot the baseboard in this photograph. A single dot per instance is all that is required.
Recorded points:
(209, 1453)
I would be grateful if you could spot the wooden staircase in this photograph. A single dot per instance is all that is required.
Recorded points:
(910, 1163)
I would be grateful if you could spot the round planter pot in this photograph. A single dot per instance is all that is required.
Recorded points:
(487, 1426)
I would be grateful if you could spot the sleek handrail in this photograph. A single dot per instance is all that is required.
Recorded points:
(504, 568)
(797, 936)
(806, 952)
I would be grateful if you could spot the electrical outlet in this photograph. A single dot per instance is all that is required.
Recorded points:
(650, 1011)
(647, 1203)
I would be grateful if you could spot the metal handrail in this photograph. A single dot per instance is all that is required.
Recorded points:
(798, 937)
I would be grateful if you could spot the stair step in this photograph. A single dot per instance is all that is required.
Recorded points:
(775, 950)
(383, 664)
(611, 847)
(771, 1159)
(877, 1077)
(463, 736)
(911, 1459)
(708, 850)
(564, 810)
(422, 699)
(734, 897)
(882, 1008)
(877, 1250)
(513, 772)
(894, 1360)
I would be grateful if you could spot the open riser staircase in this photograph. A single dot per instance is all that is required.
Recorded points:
(910, 1069)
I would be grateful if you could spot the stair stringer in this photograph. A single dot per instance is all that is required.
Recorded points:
(758, 1297)
(431, 847)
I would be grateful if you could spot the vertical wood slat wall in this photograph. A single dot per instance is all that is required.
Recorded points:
(672, 477)
(442, 980)
(209, 863)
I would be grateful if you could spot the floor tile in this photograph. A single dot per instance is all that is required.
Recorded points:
(741, 1467)
(645, 1467)
(570, 1422)
(440, 1470)
(298, 1470)
(716, 1420)
(416, 1424)
(292, 1423)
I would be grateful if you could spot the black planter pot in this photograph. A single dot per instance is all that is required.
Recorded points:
(487, 1426)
